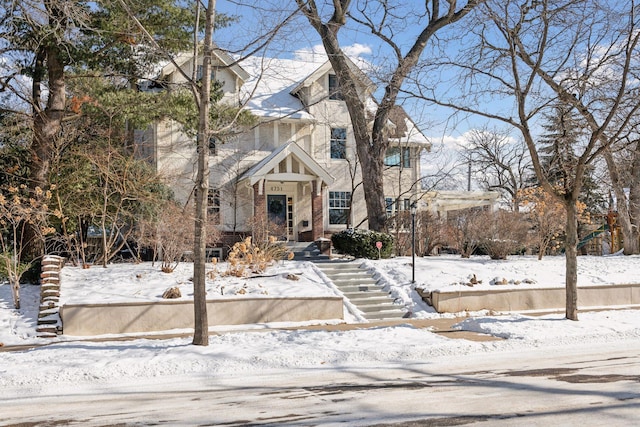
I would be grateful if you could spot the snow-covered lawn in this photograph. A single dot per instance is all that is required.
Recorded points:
(67, 362)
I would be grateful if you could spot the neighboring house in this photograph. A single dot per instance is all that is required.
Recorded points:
(442, 203)
(298, 166)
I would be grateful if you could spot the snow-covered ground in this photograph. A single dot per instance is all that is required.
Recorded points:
(67, 363)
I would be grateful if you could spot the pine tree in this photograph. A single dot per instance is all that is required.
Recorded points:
(564, 134)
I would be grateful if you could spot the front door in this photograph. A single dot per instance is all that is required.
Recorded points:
(280, 214)
(277, 214)
(277, 209)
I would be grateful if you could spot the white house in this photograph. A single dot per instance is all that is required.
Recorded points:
(298, 166)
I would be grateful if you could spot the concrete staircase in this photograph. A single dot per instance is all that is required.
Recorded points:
(49, 323)
(361, 289)
(306, 251)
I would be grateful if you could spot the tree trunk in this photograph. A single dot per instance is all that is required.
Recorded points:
(201, 327)
(46, 127)
(571, 259)
(369, 159)
(541, 251)
(627, 221)
(373, 186)
(632, 242)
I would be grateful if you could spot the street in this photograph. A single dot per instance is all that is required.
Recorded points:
(577, 385)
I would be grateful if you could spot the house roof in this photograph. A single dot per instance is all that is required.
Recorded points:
(271, 84)
(327, 67)
(456, 200)
(272, 80)
(222, 56)
(404, 130)
(274, 83)
(265, 168)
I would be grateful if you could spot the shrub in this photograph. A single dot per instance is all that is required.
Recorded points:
(246, 258)
(504, 234)
(362, 243)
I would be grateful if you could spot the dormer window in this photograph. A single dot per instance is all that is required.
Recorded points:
(334, 89)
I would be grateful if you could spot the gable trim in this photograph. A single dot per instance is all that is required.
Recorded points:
(264, 169)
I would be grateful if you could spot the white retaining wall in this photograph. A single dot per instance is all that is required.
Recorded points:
(531, 299)
(120, 318)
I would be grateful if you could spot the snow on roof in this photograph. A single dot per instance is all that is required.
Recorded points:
(271, 83)
(405, 130)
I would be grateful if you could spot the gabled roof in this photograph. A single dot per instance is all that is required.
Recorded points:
(269, 89)
(265, 167)
(404, 130)
(325, 68)
(220, 54)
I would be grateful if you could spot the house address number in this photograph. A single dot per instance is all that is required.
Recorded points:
(276, 188)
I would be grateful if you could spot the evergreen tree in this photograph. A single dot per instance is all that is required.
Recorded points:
(558, 146)
(44, 42)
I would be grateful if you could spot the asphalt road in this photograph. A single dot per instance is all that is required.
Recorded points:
(569, 386)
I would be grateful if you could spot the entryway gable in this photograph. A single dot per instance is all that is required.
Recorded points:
(289, 175)
(288, 163)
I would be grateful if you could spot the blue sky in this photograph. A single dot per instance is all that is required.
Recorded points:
(299, 38)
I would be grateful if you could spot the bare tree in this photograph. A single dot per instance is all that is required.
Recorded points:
(499, 163)
(464, 230)
(503, 233)
(624, 172)
(203, 100)
(370, 127)
(526, 57)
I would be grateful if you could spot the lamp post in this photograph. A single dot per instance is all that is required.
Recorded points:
(413, 242)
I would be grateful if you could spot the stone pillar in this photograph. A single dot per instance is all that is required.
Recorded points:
(317, 219)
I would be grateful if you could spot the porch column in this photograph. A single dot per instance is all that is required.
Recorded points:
(259, 212)
(317, 219)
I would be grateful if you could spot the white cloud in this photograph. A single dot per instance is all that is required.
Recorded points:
(316, 53)
(451, 142)
(356, 50)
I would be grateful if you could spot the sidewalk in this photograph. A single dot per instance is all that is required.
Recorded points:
(441, 326)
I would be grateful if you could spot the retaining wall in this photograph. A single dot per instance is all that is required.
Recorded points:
(531, 299)
(121, 318)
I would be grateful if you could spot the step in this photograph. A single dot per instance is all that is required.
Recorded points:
(368, 281)
(348, 276)
(50, 320)
(357, 287)
(385, 315)
(370, 300)
(48, 312)
(365, 294)
(337, 266)
(377, 308)
(47, 334)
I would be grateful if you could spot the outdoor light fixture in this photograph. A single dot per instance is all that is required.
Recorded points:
(413, 242)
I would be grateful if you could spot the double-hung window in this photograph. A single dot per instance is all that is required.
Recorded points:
(213, 204)
(338, 143)
(339, 206)
(394, 206)
(334, 88)
(398, 156)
